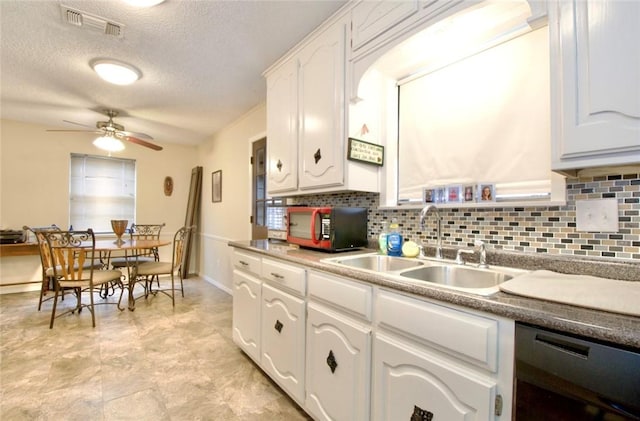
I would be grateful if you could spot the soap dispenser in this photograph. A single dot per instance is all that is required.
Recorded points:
(382, 238)
(394, 239)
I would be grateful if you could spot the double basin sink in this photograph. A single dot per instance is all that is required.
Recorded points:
(468, 278)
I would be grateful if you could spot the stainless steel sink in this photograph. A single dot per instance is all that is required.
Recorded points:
(458, 276)
(428, 271)
(376, 262)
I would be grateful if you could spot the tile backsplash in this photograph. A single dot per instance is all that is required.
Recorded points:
(525, 229)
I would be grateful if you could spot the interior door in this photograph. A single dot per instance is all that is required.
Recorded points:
(259, 188)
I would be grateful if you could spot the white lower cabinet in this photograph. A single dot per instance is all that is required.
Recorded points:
(338, 370)
(247, 293)
(246, 313)
(348, 351)
(438, 361)
(283, 339)
(410, 383)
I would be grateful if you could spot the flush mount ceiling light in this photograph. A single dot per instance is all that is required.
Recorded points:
(116, 72)
(108, 143)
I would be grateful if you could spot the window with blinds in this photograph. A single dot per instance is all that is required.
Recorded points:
(101, 189)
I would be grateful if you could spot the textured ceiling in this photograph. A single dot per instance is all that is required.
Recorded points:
(202, 62)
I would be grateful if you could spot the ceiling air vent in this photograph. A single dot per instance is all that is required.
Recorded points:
(91, 22)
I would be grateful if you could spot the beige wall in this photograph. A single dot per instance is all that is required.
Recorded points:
(221, 222)
(34, 185)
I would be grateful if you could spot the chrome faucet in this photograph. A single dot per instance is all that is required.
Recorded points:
(423, 215)
(483, 253)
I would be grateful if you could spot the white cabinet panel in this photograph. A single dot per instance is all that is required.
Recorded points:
(468, 336)
(345, 294)
(246, 313)
(596, 90)
(372, 18)
(284, 275)
(247, 262)
(283, 340)
(322, 110)
(338, 370)
(282, 129)
(409, 382)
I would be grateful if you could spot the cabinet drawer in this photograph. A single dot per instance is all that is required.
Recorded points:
(468, 336)
(247, 262)
(291, 277)
(349, 296)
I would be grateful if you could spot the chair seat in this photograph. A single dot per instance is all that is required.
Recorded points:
(97, 265)
(154, 268)
(99, 277)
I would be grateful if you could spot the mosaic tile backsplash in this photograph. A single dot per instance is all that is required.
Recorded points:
(534, 230)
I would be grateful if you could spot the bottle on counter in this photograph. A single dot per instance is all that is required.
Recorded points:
(394, 239)
(382, 238)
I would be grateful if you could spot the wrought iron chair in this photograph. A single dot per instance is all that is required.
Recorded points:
(139, 232)
(73, 254)
(45, 260)
(148, 270)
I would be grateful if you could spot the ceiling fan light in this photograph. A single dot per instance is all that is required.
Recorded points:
(108, 143)
(116, 72)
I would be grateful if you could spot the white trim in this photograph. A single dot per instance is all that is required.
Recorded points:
(217, 285)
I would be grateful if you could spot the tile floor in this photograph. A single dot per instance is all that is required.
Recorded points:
(156, 363)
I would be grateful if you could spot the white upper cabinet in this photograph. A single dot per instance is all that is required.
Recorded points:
(595, 67)
(321, 109)
(306, 119)
(282, 128)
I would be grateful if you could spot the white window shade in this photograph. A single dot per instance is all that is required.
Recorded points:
(101, 189)
(484, 119)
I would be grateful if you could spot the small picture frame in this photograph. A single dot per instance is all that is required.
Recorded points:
(428, 195)
(454, 194)
(216, 186)
(440, 195)
(486, 192)
(469, 193)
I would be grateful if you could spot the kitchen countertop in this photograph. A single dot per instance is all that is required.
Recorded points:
(600, 325)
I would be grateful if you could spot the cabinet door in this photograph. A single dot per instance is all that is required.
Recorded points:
(597, 70)
(283, 327)
(409, 381)
(321, 109)
(338, 355)
(282, 129)
(246, 313)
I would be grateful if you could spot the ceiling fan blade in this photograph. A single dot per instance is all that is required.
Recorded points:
(141, 142)
(74, 131)
(77, 124)
(137, 134)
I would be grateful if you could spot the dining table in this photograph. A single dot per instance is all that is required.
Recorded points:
(127, 248)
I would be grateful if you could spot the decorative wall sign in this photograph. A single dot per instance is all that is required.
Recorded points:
(362, 151)
(216, 186)
(168, 186)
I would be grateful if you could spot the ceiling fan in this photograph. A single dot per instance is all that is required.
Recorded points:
(112, 129)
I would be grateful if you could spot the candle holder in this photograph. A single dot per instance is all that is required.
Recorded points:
(119, 226)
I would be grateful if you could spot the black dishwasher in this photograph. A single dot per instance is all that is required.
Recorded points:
(561, 377)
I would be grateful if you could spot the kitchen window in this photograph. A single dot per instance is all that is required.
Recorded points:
(101, 189)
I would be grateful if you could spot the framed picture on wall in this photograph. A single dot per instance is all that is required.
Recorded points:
(216, 186)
